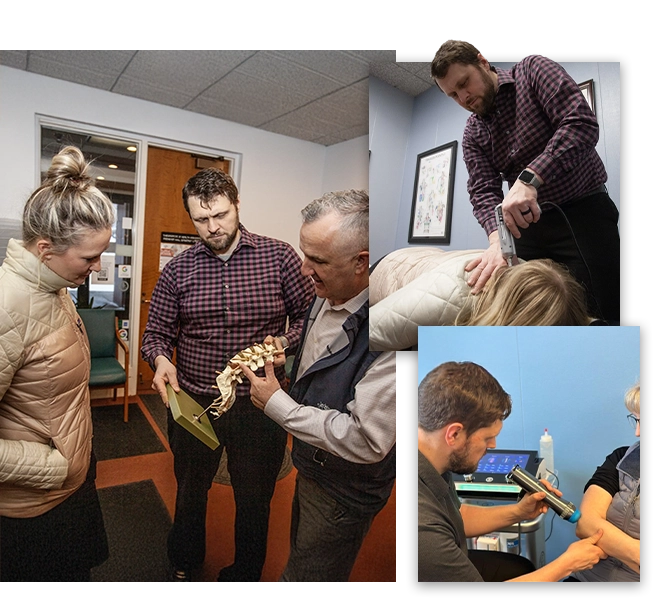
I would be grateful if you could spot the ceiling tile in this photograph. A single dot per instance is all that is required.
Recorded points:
(342, 67)
(400, 78)
(276, 71)
(315, 95)
(250, 94)
(14, 58)
(140, 88)
(184, 71)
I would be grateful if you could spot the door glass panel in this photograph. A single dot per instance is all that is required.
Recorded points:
(113, 167)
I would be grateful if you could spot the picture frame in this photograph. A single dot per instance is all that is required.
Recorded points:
(587, 89)
(433, 196)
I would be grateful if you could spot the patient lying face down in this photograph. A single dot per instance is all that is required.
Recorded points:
(538, 292)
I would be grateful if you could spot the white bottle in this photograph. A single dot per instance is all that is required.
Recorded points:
(547, 452)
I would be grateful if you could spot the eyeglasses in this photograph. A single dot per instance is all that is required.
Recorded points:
(633, 420)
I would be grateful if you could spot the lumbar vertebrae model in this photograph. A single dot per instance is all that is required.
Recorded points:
(254, 357)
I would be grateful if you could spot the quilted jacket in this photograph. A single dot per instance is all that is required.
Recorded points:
(45, 415)
(415, 286)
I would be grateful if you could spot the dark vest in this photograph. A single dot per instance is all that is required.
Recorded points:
(329, 384)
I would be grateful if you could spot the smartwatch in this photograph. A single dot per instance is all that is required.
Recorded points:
(528, 178)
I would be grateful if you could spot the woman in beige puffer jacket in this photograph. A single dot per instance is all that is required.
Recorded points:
(51, 527)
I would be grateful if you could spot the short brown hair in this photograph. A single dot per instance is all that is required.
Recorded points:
(453, 52)
(461, 392)
(207, 185)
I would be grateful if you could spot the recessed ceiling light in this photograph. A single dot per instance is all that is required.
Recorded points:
(132, 149)
(101, 177)
(113, 167)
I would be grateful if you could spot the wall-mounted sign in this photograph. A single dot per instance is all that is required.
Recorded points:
(172, 244)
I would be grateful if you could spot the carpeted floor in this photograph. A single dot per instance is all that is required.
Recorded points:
(137, 523)
(115, 439)
(137, 489)
(157, 410)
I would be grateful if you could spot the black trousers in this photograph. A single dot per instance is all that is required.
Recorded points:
(594, 221)
(255, 448)
(63, 544)
(499, 566)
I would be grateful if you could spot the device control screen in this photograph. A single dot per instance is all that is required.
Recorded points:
(501, 463)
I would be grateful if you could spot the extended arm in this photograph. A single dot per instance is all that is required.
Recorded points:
(363, 435)
(614, 542)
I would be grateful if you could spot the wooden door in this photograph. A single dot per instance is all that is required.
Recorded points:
(167, 173)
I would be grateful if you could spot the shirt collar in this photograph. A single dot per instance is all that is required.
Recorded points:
(504, 77)
(352, 305)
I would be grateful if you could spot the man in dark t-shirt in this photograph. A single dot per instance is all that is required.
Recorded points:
(461, 409)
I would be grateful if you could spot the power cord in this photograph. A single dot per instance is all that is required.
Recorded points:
(586, 266)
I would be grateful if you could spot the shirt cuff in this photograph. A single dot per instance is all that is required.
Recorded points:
(279, 406)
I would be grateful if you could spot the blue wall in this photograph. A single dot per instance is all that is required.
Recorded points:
(571, 380)
(434, 120)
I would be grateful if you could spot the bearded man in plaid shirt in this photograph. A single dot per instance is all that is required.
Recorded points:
(532, 127)
(231, 290)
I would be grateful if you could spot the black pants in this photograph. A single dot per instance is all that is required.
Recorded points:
(594, 221)
(63, 544)
(499, 566)
(255, 449)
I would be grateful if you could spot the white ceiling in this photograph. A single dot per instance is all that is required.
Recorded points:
(413, 78)
(314, 95)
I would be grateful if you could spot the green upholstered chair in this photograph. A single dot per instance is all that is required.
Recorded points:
(104, 341)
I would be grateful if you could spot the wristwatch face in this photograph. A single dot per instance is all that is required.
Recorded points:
(526, 177)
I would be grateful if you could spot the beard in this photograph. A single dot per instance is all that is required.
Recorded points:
(222, 243)
(488, 99)
(460, 463)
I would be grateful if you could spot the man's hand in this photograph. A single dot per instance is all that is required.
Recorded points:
(262, 387)
(280, 359)
(483, 267)
(165, 373)
(532, 505)
(584, 554)
(520, 207)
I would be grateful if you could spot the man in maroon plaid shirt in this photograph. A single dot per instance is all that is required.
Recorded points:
(232, 289)
(532, 127)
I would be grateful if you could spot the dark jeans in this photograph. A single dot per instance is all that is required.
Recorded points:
(326, 536)
(255, 449)
(594, 221)
(499, 566)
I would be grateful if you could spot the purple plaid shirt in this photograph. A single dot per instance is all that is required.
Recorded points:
(210, 309)
(542, 121)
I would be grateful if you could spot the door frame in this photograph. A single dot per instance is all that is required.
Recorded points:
(142, 141)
